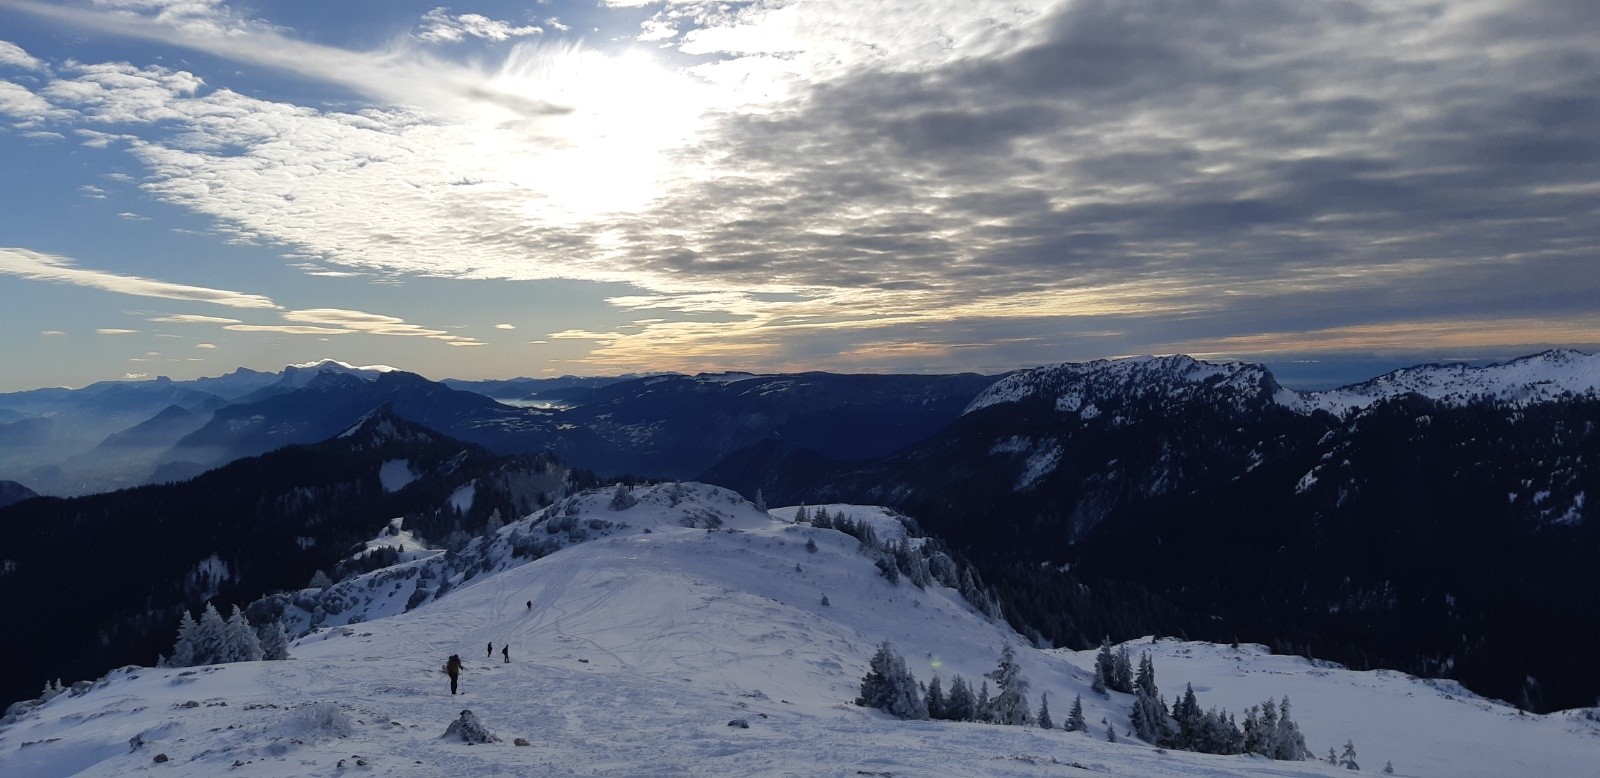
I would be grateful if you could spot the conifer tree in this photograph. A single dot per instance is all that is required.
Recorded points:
(1121, 678)
(982, 709)
(274, 641)
(889, 686)
(319, 580)
(1347, 760)
(1075, 722)
(183, 649)
(210, 638)
(959, 705)
(240, 643)
(934, 699)
(1287, 742)
(1044, 711)
(1010, 704)
(1105, 670)
(761, 501)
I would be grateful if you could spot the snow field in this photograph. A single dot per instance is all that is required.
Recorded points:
(646, 639)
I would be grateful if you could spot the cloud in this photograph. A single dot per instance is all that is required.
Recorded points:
(902, 183)
(114, 331)
(505, 326)
(189, 318)
(55, 269)
(51, 333)
(205, 345)
(13, 56)
(288, 329)
(439, 26)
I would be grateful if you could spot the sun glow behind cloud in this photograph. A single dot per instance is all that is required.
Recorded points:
(894, 179)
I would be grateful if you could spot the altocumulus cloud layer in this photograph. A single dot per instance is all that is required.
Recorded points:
(970, 184)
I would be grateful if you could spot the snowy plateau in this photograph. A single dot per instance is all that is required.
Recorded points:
(644, 630)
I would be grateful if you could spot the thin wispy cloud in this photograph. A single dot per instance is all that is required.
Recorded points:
(39, 266)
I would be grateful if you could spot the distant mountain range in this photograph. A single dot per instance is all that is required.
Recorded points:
(124, 563)
(1435, 519)
(661, 425)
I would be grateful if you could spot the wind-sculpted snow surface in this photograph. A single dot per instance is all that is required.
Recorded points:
(636, 635)
(1089, 387)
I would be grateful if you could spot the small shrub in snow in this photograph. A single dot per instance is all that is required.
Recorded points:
(319, 718)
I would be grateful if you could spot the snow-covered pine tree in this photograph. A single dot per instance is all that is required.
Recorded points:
(1075, 722)
(811, 545)
(1010, 705)
(1146, 676)
(934, 698)
(1044, 711)
(623, 499)
(1150, 719)
(1288, 743)
(1191, 721)
(1122, 669)
(1333, 760)
(183, 649)
(1388, 768)
(241, 644)
(982, 708)
(761, 501)
(319, 580)
(800, 514)
(1253, 740)
(1347, 760)
(210, 637)
(959, 705)
(889, 686)
(274, 641)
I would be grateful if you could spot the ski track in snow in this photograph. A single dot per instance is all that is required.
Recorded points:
(641, 647)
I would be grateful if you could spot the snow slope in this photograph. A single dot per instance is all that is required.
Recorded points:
(652, 627)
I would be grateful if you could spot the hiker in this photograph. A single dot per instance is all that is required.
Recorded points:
(505, 651)
(488, 653)
(453, 667)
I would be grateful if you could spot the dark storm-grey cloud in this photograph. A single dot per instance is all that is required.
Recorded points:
(1362, 160)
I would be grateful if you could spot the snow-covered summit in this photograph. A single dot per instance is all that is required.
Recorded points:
(1091, 386)
(1538, 378)
(642, 626)
(345, 367)
(1078, 387)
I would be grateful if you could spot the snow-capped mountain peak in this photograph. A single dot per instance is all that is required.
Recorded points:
(1537, 378)
(1093, 386)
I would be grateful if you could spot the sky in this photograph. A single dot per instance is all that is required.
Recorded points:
(548, 188)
